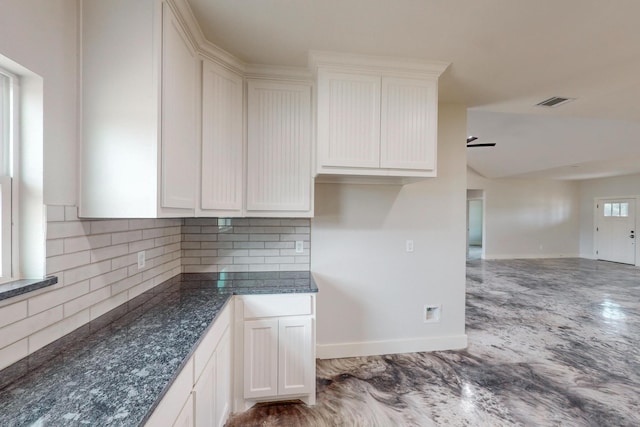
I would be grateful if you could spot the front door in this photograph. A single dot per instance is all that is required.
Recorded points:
(616, 230)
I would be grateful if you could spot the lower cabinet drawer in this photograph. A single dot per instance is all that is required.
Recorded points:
(276, 305)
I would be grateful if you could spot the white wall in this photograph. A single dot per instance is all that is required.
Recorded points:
(628, 185)
(41, 35)
(372, 292)
(529, 218)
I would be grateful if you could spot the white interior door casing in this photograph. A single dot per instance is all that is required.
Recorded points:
(616, 230)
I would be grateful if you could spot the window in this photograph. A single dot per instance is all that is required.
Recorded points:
(616, 209)
(22, 213)
(8, 111)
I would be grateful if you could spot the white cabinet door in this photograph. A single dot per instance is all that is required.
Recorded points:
(222, 141)
(260, 358)
(179, 112)
(223, 380)
(278, 148)
(185, 418)
(205, 395)
(348, 119)
(295, 341)
(408, 124)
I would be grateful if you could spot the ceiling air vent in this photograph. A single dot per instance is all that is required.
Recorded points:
(554, 101)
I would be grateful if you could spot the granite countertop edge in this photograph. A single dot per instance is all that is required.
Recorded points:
(22, 286)
(210, 288)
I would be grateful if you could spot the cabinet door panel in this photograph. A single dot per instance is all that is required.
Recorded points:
(295, 361)
(185, 418)
(222, 144)
(205, 395)
(179, 89)
(278, 146)
(172, 405)
(260, 358)
(409, 124)
(223, 380)
(348, 119)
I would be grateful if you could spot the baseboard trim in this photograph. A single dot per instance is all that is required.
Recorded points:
(375, 348)
(530, 256)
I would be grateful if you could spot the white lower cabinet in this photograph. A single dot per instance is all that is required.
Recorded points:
(212, 390)
(266, 354)
(278, 348)
(185, 417)
(201, 394)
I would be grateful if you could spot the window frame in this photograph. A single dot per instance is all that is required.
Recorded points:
(615, 209)
(9, 122)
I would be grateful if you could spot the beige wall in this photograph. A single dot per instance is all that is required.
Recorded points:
(372, 292)
(529, 218)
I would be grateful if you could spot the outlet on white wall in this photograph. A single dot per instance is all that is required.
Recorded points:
(141, 259)
(409, 246)
(299, 246)
(432, 313)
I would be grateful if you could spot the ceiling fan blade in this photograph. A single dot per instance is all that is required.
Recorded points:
(486, 144)
(471, 139)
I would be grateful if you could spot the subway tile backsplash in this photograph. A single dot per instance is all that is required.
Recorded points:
(244, 244)
(96, 265)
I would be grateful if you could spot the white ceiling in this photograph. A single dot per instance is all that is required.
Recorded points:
(506, 55)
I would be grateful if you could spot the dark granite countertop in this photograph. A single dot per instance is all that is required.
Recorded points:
(116, 369)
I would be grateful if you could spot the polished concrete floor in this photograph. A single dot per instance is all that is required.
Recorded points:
(551, 343)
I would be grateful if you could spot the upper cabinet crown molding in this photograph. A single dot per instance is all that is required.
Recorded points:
(276, 72)
(205, 48)
(396, 66)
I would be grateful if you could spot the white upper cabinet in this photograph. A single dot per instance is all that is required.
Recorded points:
(279, 181)
(222, 142)
(408, 125)
(140, 89)
(352, 103)
(178, 115)
(377, 117)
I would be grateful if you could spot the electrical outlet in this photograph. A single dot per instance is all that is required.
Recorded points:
(299, 246)
(432, 313)
(409, 246)
(141, 259)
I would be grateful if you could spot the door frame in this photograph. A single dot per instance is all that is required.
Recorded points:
(481, 197)
(596, 201)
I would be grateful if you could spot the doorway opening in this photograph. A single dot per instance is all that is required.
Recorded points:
(475, 224)
(615, 229)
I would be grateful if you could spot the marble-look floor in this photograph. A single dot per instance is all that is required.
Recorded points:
(551, 343)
